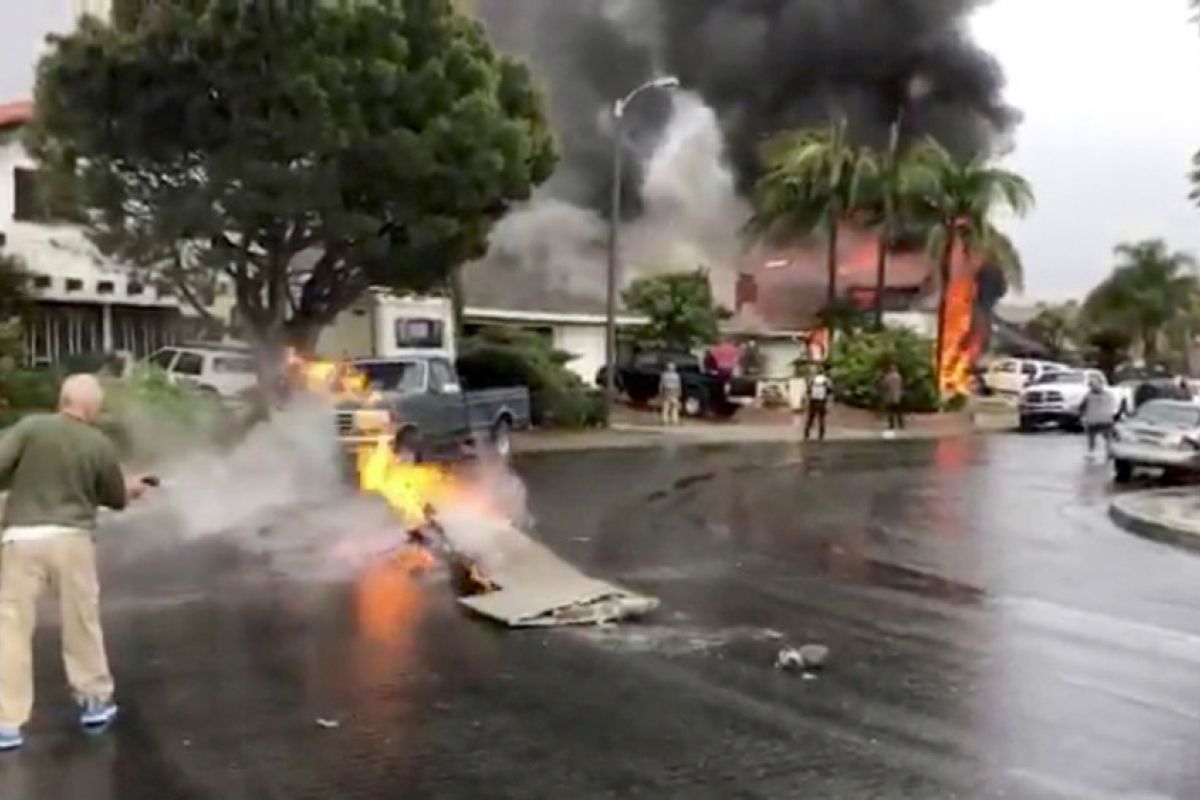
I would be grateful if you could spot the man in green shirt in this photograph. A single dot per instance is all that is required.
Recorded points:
(58, 470)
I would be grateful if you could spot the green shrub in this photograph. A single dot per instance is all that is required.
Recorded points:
(502, 357)
(859, 361)
(150, 418)
(29, 389)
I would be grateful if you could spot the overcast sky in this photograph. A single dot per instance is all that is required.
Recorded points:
(1110, 90)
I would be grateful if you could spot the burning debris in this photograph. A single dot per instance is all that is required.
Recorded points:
(446, 521)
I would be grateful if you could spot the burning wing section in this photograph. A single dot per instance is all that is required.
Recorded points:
(536, 588)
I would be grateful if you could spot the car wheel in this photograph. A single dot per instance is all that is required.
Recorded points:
(693, 405)
(407, 445)
(639, 400)
(502, 438)
(1123, 470)
(1027, 425)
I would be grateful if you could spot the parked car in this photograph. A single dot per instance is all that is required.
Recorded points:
(704, 393)
(422, 405)
(1010, 375)
(1057, 398)
(228, 372)
(1163, 434)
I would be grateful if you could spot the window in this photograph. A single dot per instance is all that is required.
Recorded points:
(1029, 369)
(441, 377)
(42, 282)
(74, 285)
(423, 333)
(163, 358)
(105, 287)
(393, 376)
(228, 365)
(31, 203)
(189, 364)
(133, 288)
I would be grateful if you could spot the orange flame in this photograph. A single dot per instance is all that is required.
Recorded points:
(959, 350)
(337, 380)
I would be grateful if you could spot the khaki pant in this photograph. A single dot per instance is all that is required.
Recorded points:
(67, 565)
(670, 410)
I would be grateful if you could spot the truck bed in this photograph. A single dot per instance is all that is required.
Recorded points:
(485, 407)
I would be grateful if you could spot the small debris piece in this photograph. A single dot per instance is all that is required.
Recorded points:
(814, 656)
(328, 724)
(808, 658)
(789, 658)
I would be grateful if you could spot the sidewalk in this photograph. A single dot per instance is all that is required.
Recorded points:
(1164, 515)
(641, 430)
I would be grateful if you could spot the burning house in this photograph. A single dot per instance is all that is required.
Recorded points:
(781, 292)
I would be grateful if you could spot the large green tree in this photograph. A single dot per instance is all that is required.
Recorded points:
(960, 199)
(679, 307)
(300, 151)
(812, 181)
(1056, 326)
(1151, 290)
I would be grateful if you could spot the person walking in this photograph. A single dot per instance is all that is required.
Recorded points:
(670, 387)
(820, 390)
(892, 390)
(1099, 416)
(58, 469)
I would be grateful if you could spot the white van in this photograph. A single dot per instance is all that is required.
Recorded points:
(227, 372)
(1010, 375)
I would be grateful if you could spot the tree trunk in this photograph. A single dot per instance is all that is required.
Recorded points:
(943, 293)
(458, 299)
(831, 264)
(881, 265)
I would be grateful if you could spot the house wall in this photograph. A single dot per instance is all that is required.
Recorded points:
(86, 303)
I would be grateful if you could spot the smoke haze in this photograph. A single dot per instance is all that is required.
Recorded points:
(751, 68)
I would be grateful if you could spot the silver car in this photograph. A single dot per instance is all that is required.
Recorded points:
(1163, 434)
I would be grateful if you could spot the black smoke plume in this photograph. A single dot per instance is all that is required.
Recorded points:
(762, 65)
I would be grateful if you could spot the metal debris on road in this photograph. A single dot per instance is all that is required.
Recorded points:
(808, 658)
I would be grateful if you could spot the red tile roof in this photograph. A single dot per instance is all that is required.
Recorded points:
(15, 113)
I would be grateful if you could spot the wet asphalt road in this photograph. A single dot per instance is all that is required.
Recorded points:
(993, 635)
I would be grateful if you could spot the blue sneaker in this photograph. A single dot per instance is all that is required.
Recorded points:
(97, 715)
(10, 739)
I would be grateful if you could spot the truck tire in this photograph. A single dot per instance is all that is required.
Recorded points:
(1123, 471)
(502, 438)
(1027, 425)
(694, 405)
(407, 445)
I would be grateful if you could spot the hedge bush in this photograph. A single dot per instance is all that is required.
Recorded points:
(500, 357)
(860, 360)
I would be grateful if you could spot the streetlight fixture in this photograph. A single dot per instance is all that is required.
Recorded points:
(667, 82)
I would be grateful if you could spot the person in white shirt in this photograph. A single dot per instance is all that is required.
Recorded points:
(820, 391)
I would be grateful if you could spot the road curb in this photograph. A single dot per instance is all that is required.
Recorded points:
(1140, 514)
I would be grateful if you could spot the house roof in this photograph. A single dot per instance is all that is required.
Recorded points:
(15, 113)
(503, 285)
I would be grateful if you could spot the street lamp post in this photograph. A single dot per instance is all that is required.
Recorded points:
(614, 240)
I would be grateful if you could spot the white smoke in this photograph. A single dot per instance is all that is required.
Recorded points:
(285, 495)
(692, 217)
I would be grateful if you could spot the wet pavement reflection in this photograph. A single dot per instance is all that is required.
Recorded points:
(992, 635)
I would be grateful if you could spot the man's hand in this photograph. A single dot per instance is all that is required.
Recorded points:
(138, 485)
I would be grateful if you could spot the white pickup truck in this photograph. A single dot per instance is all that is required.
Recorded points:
(1057, 398)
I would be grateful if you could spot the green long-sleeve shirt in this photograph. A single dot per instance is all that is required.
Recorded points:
(58, 471)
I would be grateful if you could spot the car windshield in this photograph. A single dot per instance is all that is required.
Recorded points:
(1170, 415)
(392, 376)
(1062, 377)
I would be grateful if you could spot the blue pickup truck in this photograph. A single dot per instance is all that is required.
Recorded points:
(420, 402)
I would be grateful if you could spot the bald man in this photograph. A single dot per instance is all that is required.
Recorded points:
(58, 469)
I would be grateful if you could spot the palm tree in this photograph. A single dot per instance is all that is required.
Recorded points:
(960, 198)
(1151, 289)
(811, 182)
(893, 195)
